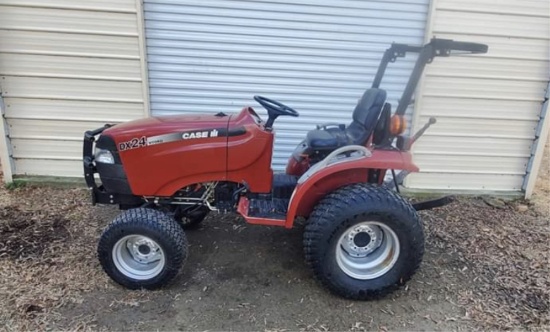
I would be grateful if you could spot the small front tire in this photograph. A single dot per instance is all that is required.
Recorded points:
(142, 248)
(363, 241)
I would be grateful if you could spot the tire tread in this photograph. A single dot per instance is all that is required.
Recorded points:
(335, 207)
(159, 223)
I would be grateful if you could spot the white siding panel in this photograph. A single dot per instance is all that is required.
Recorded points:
(97, 5)
(72, 110)
(511, 25)
(468, 127)
(53, 43)
(48, 167)
(316, 56)
(66, 67)
(481, 88)
(50, 130)
(464, 164)
(537, 8)
(447, 106)
(71, 21)
(518, 69)
(69, 67)
(43, 149)
(72, 89)
(487, 106)
(48, 148)
(484, 146)
(468, 182)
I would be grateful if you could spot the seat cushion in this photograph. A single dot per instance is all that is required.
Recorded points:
(328, 139)
(321, 139)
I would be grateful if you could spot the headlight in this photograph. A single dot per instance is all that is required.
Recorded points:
(104, 156)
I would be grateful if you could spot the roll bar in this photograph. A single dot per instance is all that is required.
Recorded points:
(426, 54)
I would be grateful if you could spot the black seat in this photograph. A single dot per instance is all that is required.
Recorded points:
(327, 139)
(365, 115)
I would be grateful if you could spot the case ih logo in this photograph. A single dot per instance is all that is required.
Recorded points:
(200, 134)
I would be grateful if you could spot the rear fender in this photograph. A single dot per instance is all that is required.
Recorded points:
(313, 187)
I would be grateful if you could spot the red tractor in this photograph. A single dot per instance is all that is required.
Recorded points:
(362, 239)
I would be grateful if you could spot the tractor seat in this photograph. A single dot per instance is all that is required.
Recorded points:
(332, 136)
(327, 139)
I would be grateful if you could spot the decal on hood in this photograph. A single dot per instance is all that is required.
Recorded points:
(179, 136)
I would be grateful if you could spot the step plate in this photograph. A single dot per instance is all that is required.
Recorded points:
(275, 208)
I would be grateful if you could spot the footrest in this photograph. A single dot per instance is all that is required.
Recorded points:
(274, 208)
(261, 218)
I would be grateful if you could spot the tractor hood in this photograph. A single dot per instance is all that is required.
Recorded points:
(161, 155)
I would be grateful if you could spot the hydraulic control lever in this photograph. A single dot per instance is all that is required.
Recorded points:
(422, 130)
(404, 143)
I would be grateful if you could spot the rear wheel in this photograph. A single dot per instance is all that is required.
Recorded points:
(142, 248)
(362, 241)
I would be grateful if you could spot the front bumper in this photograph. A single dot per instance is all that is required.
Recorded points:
(114, 187)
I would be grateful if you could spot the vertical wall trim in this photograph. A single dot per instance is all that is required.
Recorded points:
(143, 57)
(5, 146)
(538, 149)
(420, 87)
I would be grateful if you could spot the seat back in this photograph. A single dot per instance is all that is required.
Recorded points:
(365, 115)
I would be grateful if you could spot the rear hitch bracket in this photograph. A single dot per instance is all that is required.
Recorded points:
(433, 203)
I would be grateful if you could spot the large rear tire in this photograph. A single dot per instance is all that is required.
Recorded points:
(142, 248)
(363, 241)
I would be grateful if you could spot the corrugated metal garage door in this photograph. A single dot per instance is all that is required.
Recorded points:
(66, 66)
(488, 106)
(316, 56)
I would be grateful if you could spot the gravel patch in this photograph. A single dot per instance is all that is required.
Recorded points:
(485, 267)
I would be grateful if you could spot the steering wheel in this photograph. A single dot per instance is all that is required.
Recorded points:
(274, 110)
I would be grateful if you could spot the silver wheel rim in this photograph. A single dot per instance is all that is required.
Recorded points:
(138, 257)
(367, 250)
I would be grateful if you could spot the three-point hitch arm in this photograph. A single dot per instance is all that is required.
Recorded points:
(426, 53)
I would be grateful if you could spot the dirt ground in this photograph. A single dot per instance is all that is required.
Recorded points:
(486, 267)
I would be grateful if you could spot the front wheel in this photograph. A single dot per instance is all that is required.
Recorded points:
(142, 248)
(363, 241)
